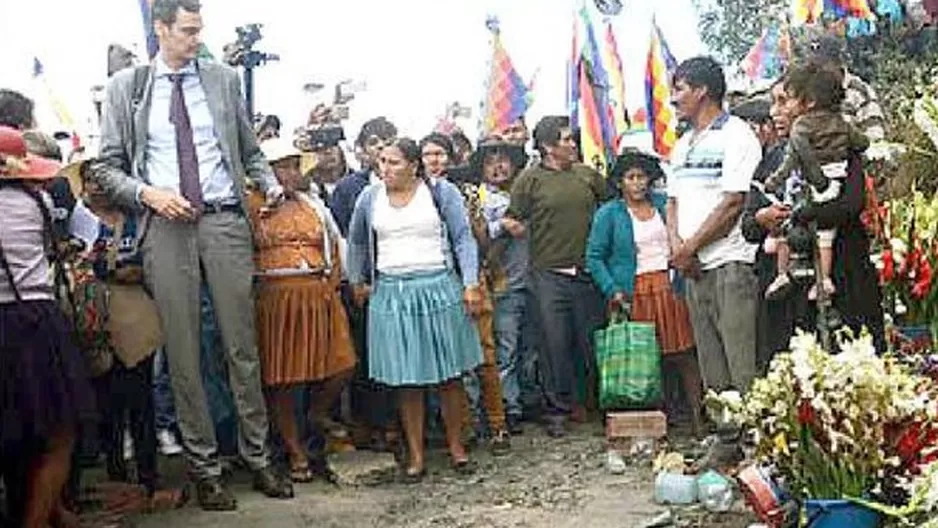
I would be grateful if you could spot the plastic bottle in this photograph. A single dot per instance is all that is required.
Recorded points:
(674, 488)
(715, 492)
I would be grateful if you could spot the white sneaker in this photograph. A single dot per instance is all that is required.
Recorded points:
(168, 444)
(128, 446)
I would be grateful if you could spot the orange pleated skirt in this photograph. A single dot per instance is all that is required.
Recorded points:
(654, 301)
(303, 331)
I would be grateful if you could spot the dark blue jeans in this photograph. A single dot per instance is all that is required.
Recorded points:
(569, 309)
(516, 367)
(163, 405)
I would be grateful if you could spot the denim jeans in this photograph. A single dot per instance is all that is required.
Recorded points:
(162, 393)
(510, 310)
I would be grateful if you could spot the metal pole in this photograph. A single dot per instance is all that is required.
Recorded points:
(249, 91)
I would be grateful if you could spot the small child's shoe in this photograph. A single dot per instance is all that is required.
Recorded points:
(779, 287)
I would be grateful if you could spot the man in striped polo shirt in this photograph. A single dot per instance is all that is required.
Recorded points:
(713, 167)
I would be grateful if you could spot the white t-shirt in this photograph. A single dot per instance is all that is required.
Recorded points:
(651, 243)
(410, 238)
(719, 160)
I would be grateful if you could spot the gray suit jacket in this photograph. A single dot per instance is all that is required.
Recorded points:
(124, 131)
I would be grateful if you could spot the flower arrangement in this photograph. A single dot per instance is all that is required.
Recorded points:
(837, 426)
(908, 257)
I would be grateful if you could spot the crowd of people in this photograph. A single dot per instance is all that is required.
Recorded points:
(214, 292)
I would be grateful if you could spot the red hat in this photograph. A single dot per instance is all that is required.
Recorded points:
(17, 164)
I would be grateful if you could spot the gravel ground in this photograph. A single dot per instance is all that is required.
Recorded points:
(543, 482)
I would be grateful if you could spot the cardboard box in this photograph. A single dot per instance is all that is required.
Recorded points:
(636, 424)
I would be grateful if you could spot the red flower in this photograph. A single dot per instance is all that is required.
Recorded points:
(888, 273)
(806, 415)
(912, 443)
(909, 443)
(923, 279)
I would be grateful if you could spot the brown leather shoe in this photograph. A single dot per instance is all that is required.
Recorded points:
(268, 482)
(215, 496)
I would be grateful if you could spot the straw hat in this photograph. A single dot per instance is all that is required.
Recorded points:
(280, 148)
(72, 173)
(17, 164)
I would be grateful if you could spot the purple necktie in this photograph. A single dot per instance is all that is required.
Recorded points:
(189, 184)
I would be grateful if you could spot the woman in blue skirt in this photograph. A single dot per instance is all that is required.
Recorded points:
(411, 252)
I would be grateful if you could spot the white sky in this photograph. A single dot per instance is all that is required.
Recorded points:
(415, 55)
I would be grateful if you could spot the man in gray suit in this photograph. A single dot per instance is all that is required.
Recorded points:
(178, 144)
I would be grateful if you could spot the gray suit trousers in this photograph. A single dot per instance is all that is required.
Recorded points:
(177, 257)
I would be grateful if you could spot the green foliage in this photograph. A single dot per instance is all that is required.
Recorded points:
(899, 62)
(730, 27)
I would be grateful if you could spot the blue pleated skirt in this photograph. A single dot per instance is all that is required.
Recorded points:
(419, 333)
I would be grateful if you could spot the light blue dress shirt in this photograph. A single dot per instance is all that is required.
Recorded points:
(162, 167)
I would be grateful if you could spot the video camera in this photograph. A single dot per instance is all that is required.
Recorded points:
(315, 138)
(241, 52)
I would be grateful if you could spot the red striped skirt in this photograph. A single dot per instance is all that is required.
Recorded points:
(654, 301)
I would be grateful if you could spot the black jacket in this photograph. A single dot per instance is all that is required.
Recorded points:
(858, 297)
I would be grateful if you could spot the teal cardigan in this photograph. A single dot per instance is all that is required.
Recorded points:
(611, 257)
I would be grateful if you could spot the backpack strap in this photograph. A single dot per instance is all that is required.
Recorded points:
(9, 274)
(141, 74)
(138, 89)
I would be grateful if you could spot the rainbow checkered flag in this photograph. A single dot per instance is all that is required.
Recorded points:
(662, 119)
(769, 56)
(508, 96)
(593, 92)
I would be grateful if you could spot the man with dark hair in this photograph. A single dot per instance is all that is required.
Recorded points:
(755, 112)
(16, 110)
(548, 132)
(176, 141)
(462, 149)
(516, 133)
(713, 165)
(374, 135)
(553, 202)
(268, 128)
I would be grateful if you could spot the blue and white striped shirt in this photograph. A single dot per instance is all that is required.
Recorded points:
(706, 167)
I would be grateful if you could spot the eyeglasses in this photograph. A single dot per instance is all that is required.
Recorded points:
(377, 141)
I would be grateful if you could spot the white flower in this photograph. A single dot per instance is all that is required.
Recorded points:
(803, 342)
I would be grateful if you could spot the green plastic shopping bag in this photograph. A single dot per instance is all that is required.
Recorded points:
(629, 364)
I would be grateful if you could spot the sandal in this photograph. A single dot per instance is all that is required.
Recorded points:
(413, 475)
(464, 466)
(168, 499)
(301, 474)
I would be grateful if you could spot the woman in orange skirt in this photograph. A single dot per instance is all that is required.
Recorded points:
(303, 330)
(627, 255)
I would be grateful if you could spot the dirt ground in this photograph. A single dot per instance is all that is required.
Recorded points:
(542, 483)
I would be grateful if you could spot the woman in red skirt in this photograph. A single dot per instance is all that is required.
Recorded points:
(627, 255)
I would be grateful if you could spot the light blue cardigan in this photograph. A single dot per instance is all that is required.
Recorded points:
(458, 243)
